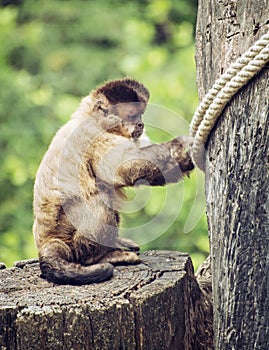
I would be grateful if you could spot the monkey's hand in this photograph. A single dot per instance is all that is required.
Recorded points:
(179, 149)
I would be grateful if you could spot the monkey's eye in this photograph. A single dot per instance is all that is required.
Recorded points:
(104, 110)
(134, 117)
(100, 107)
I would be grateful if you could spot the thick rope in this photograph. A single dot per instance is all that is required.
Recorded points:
(212, 105)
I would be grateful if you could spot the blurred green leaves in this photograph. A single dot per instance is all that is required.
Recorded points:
(54, 52)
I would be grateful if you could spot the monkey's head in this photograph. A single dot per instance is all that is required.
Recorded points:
(119, 106)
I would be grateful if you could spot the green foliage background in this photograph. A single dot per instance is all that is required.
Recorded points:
(54, 52)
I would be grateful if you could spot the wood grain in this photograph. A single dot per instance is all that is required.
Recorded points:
(237, 176)
(153, 305)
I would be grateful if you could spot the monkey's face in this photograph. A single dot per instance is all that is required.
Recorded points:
(120, 105)
(130, 116)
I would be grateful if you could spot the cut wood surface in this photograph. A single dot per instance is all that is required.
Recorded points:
(145, 306)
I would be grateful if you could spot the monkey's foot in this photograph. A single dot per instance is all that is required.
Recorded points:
(119, 257)
(127, 244)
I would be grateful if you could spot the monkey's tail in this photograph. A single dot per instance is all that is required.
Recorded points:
(61, 271)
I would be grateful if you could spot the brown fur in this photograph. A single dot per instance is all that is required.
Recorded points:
(81, 179)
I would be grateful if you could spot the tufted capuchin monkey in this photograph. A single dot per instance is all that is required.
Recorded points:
(82, 177)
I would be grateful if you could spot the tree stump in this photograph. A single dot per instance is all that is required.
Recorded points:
(145, 306)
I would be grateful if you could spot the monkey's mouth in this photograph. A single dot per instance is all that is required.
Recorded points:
(136, 134)
(134, 130)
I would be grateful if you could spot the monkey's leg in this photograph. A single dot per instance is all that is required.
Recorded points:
(56, 264)
(119, 257)
(127, 244)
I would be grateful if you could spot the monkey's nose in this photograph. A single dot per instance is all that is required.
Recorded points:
(140, 125)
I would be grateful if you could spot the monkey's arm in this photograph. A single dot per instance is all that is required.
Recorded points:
(165, 163)
(158, 164)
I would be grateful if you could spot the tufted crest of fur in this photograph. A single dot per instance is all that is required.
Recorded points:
(124, 90)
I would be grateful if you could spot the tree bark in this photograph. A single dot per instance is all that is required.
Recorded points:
(237, 175)
(154, 305)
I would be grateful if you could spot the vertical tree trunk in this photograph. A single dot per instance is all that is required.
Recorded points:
(237, 176)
